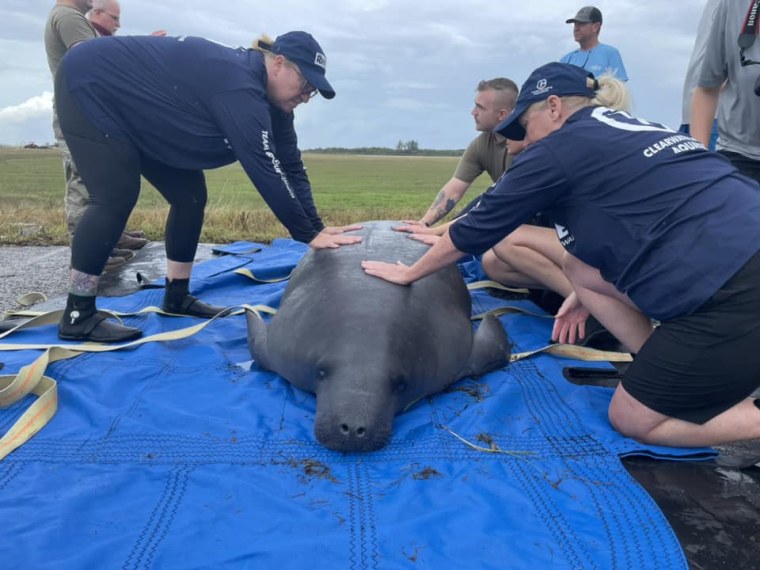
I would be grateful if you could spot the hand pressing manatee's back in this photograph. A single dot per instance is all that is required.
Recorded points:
(367, 348)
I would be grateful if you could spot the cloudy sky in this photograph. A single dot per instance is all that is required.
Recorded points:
(402, 69)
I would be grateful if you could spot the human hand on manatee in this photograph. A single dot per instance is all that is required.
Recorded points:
(569, 320)
(393, 272)
(428, 239)
(325, 240)
(414, 228)
(334, 230)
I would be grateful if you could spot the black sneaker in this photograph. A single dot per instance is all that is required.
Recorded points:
(193, 307)
(95, 328)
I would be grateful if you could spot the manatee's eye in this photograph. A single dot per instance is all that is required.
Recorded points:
(321, 373)
(400, 385)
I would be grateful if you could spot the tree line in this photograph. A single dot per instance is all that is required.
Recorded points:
(403, 148)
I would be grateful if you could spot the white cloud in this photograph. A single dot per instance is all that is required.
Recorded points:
(40, 106)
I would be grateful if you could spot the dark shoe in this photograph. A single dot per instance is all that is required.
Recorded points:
(114, 262)
(598, 337)
(129, 242)
(193, 307)
(127, 254)
(95, 328)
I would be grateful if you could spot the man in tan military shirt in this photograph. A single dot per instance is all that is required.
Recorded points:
(494, 100)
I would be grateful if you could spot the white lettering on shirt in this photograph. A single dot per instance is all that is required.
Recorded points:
(276, 163)
(564, 235)
(677, 143)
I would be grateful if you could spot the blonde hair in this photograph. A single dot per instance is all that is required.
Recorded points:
(263, 44)
(610, 92)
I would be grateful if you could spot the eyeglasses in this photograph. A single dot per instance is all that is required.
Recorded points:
(306, 87)
(116, 19)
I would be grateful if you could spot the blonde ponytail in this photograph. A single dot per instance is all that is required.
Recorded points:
(611, 92)
(263, 44)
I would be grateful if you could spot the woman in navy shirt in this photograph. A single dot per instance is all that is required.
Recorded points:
(654, 227)
(167, 108)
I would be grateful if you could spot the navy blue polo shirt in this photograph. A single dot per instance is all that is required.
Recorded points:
(194, 104)
(664, 220)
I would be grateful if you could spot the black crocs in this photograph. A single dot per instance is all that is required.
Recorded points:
(95, 328)
(192, 307)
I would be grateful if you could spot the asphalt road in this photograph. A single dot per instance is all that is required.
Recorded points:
(46, 270)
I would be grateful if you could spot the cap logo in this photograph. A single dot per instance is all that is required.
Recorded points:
(320, 60)
(542, 86)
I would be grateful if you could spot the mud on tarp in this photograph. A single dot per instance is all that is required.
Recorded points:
(180, 455)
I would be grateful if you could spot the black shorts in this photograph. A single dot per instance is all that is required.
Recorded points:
(694, 368)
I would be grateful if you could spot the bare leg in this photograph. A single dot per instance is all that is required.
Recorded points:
(531, 256)
(635, 420)
(630, 417)
(178, 269)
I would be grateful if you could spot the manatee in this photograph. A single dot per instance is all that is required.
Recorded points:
(368, 348)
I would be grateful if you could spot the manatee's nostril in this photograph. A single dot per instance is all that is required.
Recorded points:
(344, 429)
(361, 432)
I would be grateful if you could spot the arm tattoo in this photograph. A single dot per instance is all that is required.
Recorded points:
(441, 208)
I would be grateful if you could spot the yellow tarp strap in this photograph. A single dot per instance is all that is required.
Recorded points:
(563, 350)
(577, 353)
(54, 317)
(31, 380)
(248, 273)
(31, 298)
(495, 285)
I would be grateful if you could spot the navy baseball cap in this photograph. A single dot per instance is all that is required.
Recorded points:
(303, 50)
(560, 79)
(586, 15)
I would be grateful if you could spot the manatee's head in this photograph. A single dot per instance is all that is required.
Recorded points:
(355, 407)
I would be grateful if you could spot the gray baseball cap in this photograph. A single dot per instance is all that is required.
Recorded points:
(585, 15)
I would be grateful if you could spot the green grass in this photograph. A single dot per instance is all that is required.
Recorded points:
(346, 188)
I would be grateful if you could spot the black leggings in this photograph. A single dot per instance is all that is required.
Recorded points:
(111, 169)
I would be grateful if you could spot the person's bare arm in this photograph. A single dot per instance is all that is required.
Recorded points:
(444, 202)
(704, 102)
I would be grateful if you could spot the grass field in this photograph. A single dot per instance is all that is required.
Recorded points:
(347, 188)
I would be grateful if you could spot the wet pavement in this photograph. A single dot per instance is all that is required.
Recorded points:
(45, 270)
(714, 510)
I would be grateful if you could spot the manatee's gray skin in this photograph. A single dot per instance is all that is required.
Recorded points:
(368, 348)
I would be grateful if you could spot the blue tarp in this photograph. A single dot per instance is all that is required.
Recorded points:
(184, 455)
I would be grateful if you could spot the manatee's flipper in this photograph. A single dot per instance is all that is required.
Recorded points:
(490, 348)
(257, 338)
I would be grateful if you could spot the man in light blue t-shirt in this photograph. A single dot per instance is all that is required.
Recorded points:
(593, 56)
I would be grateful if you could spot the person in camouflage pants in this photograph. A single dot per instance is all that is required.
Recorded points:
(66, 27)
